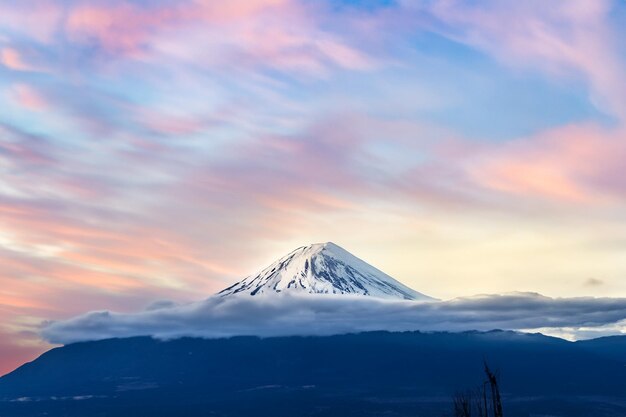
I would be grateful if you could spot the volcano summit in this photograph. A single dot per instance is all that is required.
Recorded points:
(323, 268)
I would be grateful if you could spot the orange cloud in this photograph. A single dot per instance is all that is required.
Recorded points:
(533, 178)
(571, 164)
(12, 59)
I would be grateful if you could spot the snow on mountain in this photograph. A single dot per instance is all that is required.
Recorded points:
(323, 268)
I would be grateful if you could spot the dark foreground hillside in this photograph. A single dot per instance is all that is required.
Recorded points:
(368, 374)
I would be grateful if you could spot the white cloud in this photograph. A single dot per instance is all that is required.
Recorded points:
(325, 315)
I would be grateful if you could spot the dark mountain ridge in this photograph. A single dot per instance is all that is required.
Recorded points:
(373, 373)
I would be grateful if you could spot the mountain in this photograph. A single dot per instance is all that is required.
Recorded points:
(609, 346)
(366, 374)
(323, 268)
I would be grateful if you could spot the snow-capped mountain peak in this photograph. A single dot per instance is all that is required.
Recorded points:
(323, 268)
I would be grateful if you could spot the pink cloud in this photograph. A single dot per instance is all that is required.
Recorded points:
(576, 164)
(20, 151)
(29, 97)
(282, 34)
(18, 60)
(12, 59)
(168, 123)
(37, 19)
(121, 27)
(555, 171)
(104, 259)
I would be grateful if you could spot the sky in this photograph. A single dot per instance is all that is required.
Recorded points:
(164, 149)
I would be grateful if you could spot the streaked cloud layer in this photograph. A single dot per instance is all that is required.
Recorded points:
(162, 149)
(291, 315)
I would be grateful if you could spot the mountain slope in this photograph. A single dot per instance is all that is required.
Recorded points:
(367, 374)
(323, 268)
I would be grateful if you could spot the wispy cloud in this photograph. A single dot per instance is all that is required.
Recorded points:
(572, 38)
